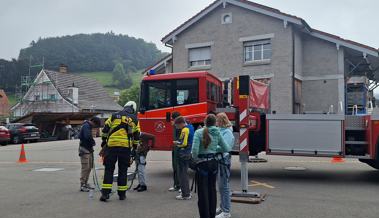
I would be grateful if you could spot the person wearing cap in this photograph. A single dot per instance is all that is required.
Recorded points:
(120, 133)
(86, 150)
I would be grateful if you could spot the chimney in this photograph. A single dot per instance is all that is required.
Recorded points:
(73, 93)
(63, 68)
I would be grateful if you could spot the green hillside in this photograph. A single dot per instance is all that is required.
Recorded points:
(105, 79)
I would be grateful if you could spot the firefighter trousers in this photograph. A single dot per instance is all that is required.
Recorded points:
(113, 155)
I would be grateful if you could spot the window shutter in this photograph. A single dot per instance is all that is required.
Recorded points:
(200, 54)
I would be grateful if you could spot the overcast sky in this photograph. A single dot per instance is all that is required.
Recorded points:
(22, 21)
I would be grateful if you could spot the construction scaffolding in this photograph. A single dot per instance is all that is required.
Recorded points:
(36, 95)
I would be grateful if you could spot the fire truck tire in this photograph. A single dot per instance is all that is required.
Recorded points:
(371, 163)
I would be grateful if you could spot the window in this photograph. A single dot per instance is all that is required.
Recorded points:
(187, 92)
(226, 18)
(157, 95)
(53, 97)
(169, 93)
(199, 57)
(37, 97)
(213, 92)
(257, 50)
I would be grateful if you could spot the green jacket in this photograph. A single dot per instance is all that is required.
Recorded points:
(217, 143)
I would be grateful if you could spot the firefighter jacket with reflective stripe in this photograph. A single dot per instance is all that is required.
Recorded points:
(122, 130)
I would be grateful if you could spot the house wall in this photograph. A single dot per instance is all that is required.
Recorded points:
(227, 50)
(323, 73)
(44, 88)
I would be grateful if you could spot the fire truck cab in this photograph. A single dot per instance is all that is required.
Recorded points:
(192, 94)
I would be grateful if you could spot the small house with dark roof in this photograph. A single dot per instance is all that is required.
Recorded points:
(60, 92)
(306, 68)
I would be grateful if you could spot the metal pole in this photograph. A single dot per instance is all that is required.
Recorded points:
(244, 108)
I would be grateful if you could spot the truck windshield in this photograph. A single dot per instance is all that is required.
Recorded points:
(169, 93)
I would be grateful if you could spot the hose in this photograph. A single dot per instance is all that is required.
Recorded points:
(96, 180)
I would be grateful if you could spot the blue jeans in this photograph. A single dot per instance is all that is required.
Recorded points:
(223, 183)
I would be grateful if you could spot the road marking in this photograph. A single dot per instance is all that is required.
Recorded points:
(256, 183)
(295, 168)
(48, 169)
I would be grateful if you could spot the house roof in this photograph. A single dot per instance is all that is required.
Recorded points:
(274, 13)
(158, 63)
(92, 95)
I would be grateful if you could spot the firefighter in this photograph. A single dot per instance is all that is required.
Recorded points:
(121, 132)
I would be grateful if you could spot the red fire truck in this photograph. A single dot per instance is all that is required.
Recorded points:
(246, 102)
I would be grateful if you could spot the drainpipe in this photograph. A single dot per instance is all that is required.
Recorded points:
(293, 70)
(172, 56)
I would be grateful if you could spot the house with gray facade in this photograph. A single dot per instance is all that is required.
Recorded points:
(64, 92)
(307, 69)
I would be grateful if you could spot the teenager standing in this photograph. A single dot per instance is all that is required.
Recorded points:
(206, 143)
(226, 131)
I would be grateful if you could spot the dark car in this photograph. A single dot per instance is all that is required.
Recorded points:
(5, 136)
(21, 132)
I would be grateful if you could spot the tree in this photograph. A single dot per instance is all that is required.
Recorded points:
(120, 78)
(131, 94)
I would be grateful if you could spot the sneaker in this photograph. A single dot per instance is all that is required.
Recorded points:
(83, 188)
(180, 191)
(218, 211)
(173, 189)
(142, 188)
(89, 186)
(180, 197)
(224, 215)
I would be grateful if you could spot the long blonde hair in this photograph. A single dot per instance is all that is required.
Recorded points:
(223, 120)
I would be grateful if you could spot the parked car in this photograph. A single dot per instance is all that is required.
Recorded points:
(5, 136)
(21, 132)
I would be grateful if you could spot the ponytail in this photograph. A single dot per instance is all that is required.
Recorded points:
(210, 120)
(206, 140)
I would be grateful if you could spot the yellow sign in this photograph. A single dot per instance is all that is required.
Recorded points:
(243, 96)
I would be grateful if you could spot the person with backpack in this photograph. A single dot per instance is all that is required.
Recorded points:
(184, 144)
(226, 131)
(121, 132)
(206, 144)
(175, 155)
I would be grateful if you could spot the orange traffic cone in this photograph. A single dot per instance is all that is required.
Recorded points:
(22, 158)
(337, 160)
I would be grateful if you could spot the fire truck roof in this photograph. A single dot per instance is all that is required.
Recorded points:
(179, 75)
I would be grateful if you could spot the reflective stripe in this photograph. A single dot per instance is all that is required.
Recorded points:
(122, 188)
(243, 115)
(106, 186)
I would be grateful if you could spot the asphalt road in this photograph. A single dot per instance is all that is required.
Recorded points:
(320, 189)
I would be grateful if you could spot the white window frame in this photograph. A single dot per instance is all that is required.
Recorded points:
(206, 63)
(251, 46)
